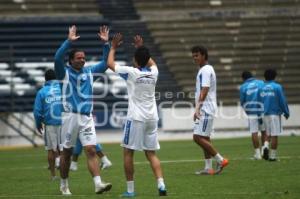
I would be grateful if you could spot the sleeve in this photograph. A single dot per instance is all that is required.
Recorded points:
(38, 110)
(102, 65)
(59, 62)
(242, 96)
(124, 71)
(282, 102)
(205, 80)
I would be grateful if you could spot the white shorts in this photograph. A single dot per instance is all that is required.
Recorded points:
(52, 137)
(204, 125)
(273, 124)
(76, 125)
(256, 124)
(140, 136)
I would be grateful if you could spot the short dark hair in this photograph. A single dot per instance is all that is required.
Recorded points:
(142, 56)
(200, 49)
(270, 74)
(50, 75)
(72, 54)
(246, 75)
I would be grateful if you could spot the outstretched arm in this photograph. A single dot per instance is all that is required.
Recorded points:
(139, 42)
(115, 43)
(103, 34)
(59, 63)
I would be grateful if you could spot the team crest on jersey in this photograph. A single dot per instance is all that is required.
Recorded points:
(83, 77)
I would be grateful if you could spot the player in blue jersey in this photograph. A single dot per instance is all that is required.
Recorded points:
(47, 112)
(77, 100)
(140, 130)
(249, 92)
(105, 162)
(206, 107)
(275, 104)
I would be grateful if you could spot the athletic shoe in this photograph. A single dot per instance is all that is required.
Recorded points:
(257, 156)
(221, 165)
(205, 172)
(106, 164)
(266, 153)
(162, 191)
(128, 194)
(65, 191)
(54, 178)
(102, 187)
(73, 166)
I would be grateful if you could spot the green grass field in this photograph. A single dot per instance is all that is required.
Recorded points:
(23, 173)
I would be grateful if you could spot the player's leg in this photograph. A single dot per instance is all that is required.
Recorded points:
(87, 136)
(150, 144)
(75, 155)
(51, 162)
(128, 155)
(208, 169)
(276, 129)
(105, 162)
(253, 128)
(265, 148)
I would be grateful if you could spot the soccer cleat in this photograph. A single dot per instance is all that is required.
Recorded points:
(266, 153)
(73, 166)
(102, 187)
(162, 191)
(106, 164)
(128, 194)
(65, 191)
(221, 165)
(205, 172)
(272, 159)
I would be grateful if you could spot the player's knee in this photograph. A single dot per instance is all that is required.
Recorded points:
(90, 151)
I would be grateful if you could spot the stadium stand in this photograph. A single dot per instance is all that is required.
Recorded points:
(240, 35)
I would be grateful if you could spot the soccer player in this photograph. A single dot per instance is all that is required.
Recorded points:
(47, 111)
(249, 92)
(105, 162)
(275, 104)
(77, 120)
(140, 130)
(206, 106)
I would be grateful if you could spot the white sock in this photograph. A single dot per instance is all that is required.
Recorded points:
(218, 157)
(208, 164)
(64, 182)
(257, 152)
(97, 180)
(266, 144)
(104, 159)
(160, 183)
(57, 161)
(273, 154)
(130, 186)
(74, 163)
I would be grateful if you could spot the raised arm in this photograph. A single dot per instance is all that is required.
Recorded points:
(59, 62)
(139, 42)
(115, 43)
(104, 36)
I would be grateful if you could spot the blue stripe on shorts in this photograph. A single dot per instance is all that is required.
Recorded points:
(127, 131)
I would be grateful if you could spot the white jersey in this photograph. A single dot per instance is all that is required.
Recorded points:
(141, 91)
(206, 77)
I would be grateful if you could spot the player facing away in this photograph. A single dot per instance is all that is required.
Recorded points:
(105, 162)
(77, 120)
(249, 92)
(206, 106)
(140, 130)
(275, 104)
(47, 111)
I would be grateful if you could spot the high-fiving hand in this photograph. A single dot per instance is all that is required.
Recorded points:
(117, 40)
(72, 33)
(104, 33)
(138, 41)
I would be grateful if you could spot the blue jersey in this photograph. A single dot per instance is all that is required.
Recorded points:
(273, 98)
(47, 106)
(77, 87)
(249, 96)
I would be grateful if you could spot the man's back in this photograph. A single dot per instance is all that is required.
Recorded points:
(249, 93)
(141, 91)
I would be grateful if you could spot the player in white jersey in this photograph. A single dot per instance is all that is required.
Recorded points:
(140, 131)
(206, 106)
